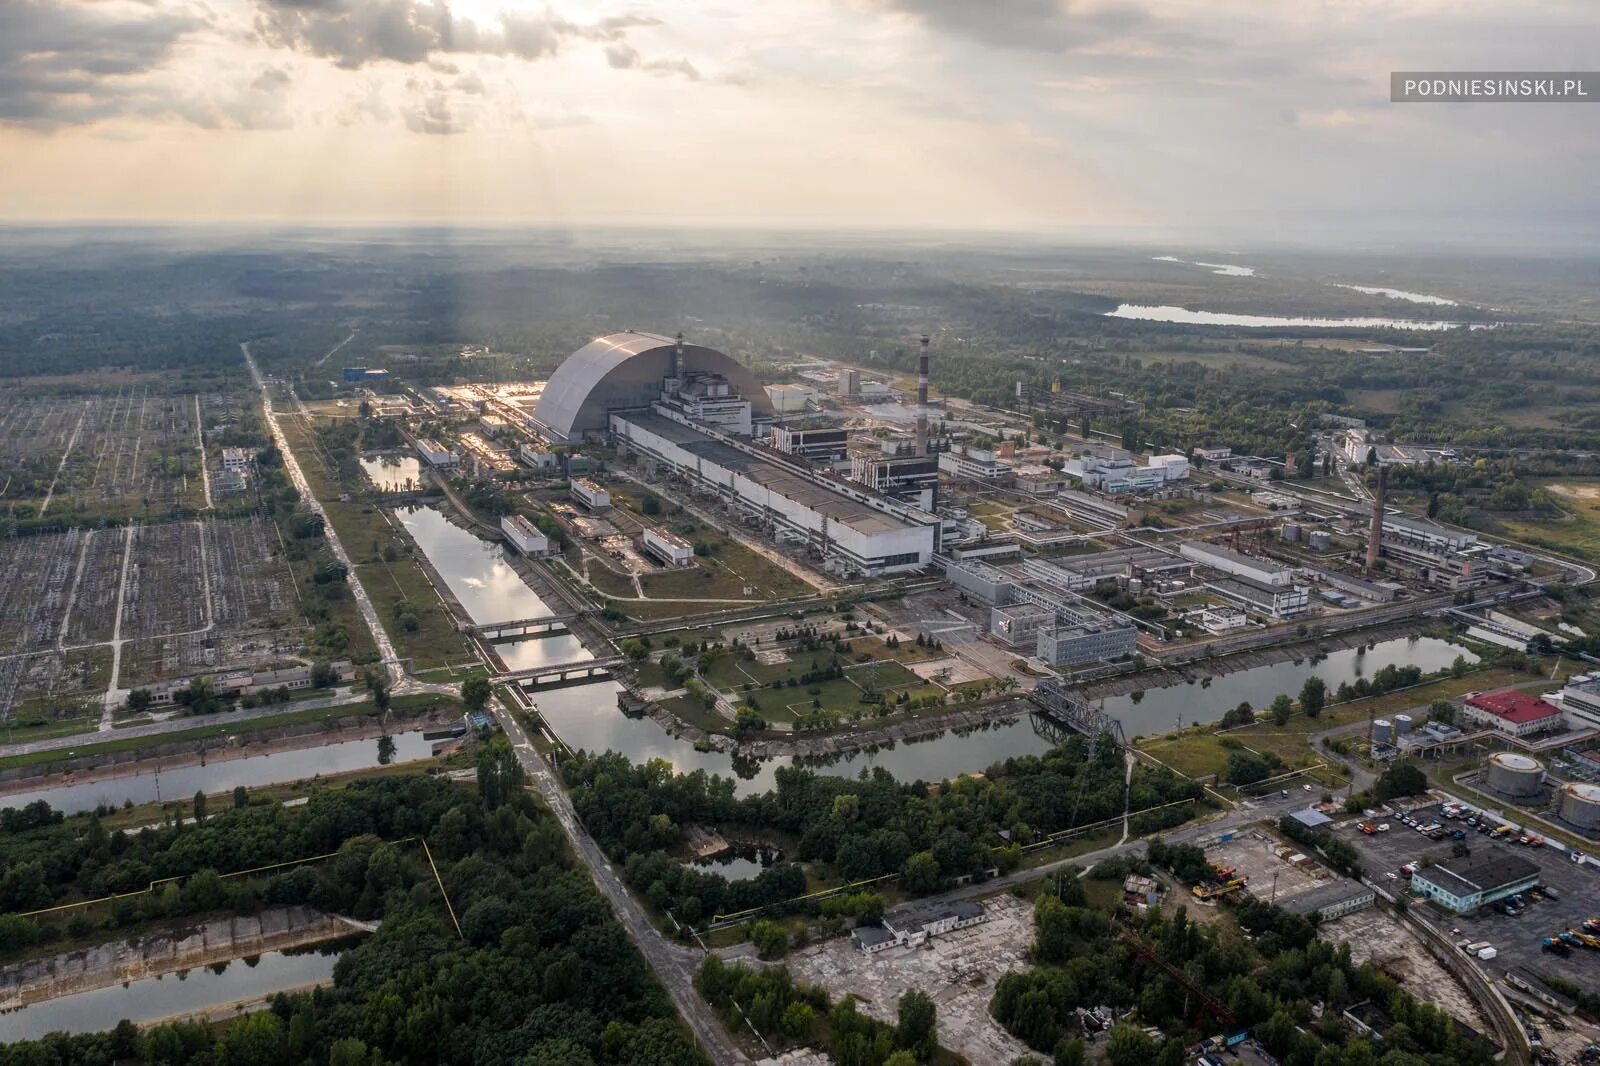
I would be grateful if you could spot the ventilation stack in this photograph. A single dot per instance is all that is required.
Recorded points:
(1375, 534)
(922, 399)
(677, 358)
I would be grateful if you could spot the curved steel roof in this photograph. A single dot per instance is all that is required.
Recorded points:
(625, 370)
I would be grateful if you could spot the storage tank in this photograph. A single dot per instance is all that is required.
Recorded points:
(1514, 775)
(1290, 532)
(1402, 724)
(1382, 731)
(1580, 805)
(1321, 540)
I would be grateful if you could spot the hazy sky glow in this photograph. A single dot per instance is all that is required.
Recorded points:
(940, 113)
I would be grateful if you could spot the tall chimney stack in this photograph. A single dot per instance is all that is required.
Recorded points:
(677, 358)
(1375, 534)
(922, 399)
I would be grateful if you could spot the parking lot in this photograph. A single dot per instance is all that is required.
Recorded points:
(1516, 939)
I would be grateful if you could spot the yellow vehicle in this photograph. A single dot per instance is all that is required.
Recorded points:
(1216, 891)
(1500, 831)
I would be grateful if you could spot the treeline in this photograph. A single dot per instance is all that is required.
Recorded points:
(1283, 984)
(788, 1014)
(866, 827)
(541, 973)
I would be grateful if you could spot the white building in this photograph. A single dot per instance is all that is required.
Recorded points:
(1222, 619)
(874, 390)
(824, 444)
(790, 399)
(435, 454)
(1231, 562)
(668, 547)
(849, 382)
(972, 464)
(493, 425)
(537, 456)
(590, 494)
(1275, 601)
(1088, 639)
(1172, 467)
(853, 531)
(912, 923)
(709, 399)
(524, 535)
(1214, 455)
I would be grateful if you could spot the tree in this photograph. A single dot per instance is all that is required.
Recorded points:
(475, 693)
(1282, 707)
(500, 775)
(254, 1040)
(770, 939)
(917, 1029)
(241, 797)
(1313, 696)
(1400, 779)
(920, 874)
(1130, 1046)
(323, 675)
(378, 688)
(200, 805)
(140, 700)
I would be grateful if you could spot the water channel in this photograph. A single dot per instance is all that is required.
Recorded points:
(173, 994)
(393, 473)
(586, 717)
(182, 782)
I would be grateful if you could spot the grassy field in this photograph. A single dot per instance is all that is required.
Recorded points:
(1578, 534)
(368, 534)
(608, 581)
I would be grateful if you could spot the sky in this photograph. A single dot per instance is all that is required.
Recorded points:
(1263, 117)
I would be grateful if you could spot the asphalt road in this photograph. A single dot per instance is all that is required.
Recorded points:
(369, 614)
(674, 964)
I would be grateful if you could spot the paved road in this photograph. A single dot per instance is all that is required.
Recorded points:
(369, 614)
(674, 964)
(179, 723)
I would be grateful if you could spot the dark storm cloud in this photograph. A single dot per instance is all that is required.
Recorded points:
(65, 63)
(353, 33)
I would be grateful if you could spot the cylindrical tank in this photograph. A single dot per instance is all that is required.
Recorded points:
(1321, 540)
(1515, 775)
(1580, 805)
(1135, 585)
(1402, 724)
(1290, 532)
(1382, 731)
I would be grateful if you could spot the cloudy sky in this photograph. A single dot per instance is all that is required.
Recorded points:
(955, 114)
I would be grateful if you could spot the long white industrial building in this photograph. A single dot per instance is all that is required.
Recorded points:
(853, 532)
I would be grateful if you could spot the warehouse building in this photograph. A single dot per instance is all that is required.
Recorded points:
(1327, 902)
(1465, 884)
(591, 495)
(1275, 601)
(1236, 564)
(435, 454)
(852, 532)
(1019, 624)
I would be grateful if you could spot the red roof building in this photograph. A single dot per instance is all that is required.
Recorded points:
(1511, 711)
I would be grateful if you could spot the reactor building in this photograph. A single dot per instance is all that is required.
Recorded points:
(698, 414)
(631, 370)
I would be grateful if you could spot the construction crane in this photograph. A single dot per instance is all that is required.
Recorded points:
(1214, 1006)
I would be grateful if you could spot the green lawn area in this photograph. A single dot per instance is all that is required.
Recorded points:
(608, 581)
(704, 580)
(908, 651)
(1198, 752)
(1577, 535)
(691, 711)
(22, 734)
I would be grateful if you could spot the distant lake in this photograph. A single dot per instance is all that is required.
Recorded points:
(1227, 270)
(1401, 294)
(1184, 316)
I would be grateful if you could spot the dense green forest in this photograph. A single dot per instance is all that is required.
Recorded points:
(929, 833)
(541, 974)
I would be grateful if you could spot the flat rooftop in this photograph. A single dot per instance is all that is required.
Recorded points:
(825, 501)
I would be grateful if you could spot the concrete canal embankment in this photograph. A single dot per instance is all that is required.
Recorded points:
(186, 947)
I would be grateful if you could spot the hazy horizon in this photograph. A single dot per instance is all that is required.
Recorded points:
(1157, 121)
